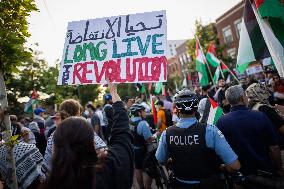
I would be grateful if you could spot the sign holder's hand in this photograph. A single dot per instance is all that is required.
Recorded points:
(113, 91)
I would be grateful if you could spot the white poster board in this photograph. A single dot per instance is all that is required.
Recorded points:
(125, 49)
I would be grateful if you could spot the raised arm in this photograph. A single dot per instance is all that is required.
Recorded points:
(119, 161)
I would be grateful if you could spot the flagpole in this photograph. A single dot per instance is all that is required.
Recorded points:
(222, 72)
(205, 61)
(231, 72)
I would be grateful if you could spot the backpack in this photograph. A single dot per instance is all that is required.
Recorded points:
(169, 120)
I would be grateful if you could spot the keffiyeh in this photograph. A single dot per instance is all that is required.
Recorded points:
(257, 93)
(28, 159)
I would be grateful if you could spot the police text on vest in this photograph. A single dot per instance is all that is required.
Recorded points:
(184, 140)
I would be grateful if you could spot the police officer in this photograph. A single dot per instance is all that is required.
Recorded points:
(142, 135)
(194, 148)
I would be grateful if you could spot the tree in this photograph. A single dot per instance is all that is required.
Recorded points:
(26, 80)
(128, 89)
(49, 85)
(173, 80)
(13, 34)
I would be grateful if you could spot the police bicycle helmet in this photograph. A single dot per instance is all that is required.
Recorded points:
(135, 108)
(186, 101)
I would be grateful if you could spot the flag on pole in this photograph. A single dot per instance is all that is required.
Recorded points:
(274, 41)
(201, 65)
(29, 105)
(216, 75)
(252, 46)
(32, 101)
(215, 112)
(211, 56)
(224, 68)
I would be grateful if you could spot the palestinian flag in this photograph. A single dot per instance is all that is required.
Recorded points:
(224, 67)
(252, 46)
(270, 17)
(201, 65)
(211, 56)
(273, 10)
(29, 106)
(217, 75)
(215, 112)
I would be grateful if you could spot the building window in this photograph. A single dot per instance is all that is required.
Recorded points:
(232, 53)
(228, 36)
(238, 26)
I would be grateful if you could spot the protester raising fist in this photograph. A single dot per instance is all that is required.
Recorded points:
(75, 163)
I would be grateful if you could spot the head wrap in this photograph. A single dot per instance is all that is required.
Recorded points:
(257, 93)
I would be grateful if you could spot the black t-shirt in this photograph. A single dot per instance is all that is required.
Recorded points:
(276, 120)
(274, 117)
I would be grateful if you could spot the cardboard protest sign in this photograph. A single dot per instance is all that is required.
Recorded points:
(128, 48)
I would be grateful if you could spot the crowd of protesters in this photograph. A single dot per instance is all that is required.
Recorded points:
(106, 146)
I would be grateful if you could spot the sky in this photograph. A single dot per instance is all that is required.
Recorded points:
(48, 27)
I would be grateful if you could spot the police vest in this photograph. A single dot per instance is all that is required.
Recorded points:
(138, 140)
(191, 158)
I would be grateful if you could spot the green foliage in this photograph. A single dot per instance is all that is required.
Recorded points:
(36, 75)
(13, 34)
(12, 141)
(87, 93)
(128, 89)
(170, 84)
(48, 82)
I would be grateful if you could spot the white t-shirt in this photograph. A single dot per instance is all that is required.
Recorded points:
(101, 117)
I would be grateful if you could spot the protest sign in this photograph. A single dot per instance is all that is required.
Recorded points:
(128, 48)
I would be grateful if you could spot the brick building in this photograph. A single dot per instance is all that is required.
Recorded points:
(173, 66)
(183, 59)
(228, 27)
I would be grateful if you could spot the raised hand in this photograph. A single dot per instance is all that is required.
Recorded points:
(113, 91)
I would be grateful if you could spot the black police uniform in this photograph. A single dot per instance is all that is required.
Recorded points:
(192, 160)
(140, 146)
